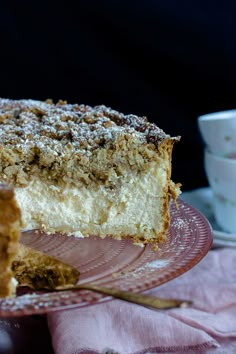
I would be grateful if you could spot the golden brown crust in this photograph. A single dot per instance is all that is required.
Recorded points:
(6, 288)
(10, 221)
(9, 214)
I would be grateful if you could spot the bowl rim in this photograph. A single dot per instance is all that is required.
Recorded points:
(218, 115)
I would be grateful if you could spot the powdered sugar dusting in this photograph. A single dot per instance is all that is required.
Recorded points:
(159, 263)
(66, 143)
(180, 224)
(149, 267)
(152, 266)
(44, 125)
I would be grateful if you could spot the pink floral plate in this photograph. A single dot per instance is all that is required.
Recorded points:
(116, 263)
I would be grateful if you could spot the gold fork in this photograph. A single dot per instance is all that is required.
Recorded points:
(140, 299)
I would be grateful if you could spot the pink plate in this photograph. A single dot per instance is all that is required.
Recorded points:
(114, 263)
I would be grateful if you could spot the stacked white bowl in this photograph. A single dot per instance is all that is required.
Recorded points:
(218, 131)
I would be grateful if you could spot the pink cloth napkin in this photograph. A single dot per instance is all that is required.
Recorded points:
(209, 326)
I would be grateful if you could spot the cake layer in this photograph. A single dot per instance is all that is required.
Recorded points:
(135, 210)
(82, 170)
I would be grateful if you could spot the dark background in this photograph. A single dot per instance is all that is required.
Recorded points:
(168, 60)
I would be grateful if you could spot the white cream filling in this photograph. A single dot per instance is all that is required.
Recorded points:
(13, 285)
(14, 282)
(134, 209)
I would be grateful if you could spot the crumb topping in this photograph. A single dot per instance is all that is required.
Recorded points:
(60, 139)
(25, 122)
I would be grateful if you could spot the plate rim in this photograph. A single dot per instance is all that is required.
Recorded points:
(193, 260)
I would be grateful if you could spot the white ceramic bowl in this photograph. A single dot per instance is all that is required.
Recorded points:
(218, 131)
(221, 173)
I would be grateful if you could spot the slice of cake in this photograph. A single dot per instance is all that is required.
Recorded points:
(87, 171)
(22, 265)
(37, 270)
(9, 234)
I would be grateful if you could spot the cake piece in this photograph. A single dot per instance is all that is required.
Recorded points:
(38, 270)
(22, 265)
(87, 171)
(9, 234)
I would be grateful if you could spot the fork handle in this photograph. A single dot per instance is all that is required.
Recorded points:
(140, 299)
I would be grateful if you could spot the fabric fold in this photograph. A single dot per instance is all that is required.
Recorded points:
(124, 328)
